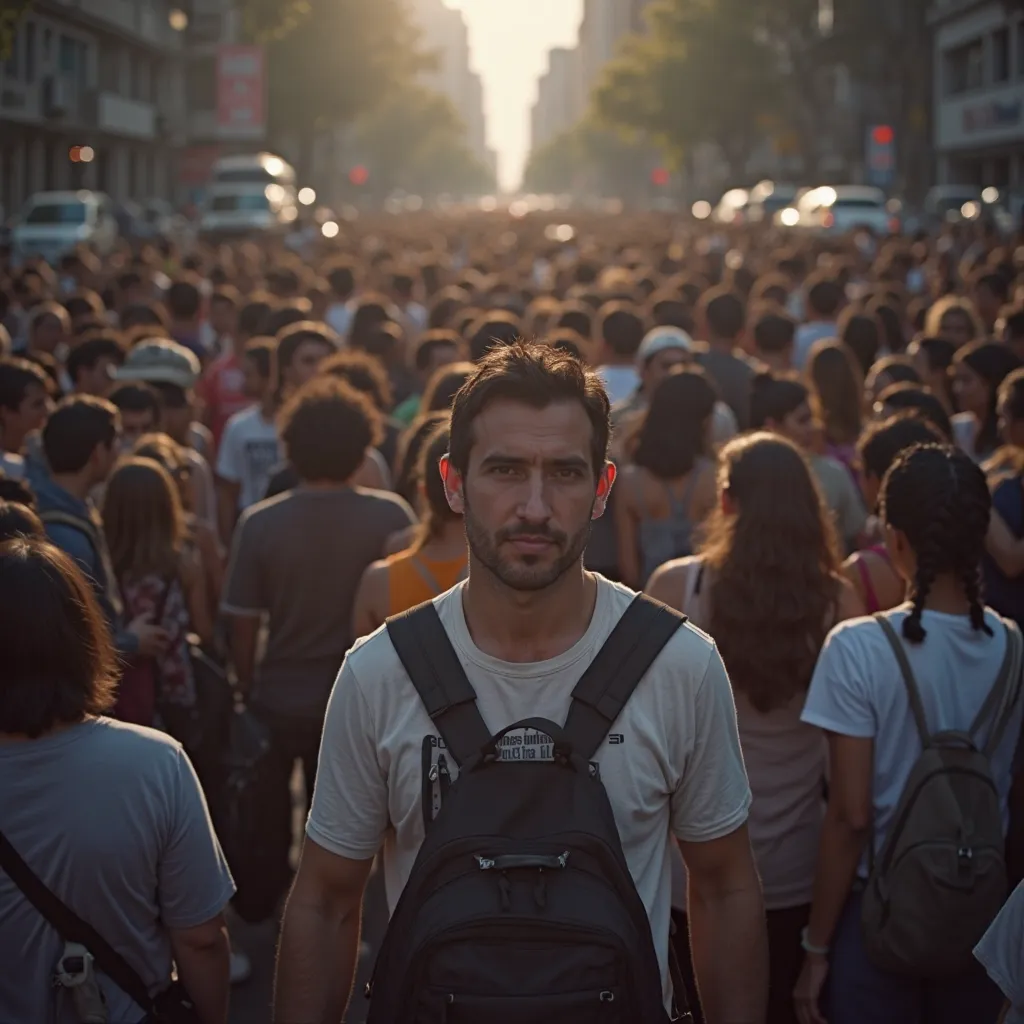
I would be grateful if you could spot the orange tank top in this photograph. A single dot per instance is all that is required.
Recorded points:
(414, 578)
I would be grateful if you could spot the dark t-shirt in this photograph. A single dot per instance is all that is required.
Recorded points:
(733, 373)
(299, 558)
(1003, 594)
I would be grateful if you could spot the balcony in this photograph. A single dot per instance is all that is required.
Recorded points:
(130, 118)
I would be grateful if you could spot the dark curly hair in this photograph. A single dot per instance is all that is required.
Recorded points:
(938, 498)
(673, 434)
(774, 567)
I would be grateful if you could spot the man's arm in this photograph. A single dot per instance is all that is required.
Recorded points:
(202, 957)
(727, 929)
(243, 636)
(316, 960)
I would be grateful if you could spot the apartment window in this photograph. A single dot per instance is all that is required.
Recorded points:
(67, 56)
(1001, 55)
(30, 52)
(13, 65)
(965, 67)
(47, 46)
(83, 65)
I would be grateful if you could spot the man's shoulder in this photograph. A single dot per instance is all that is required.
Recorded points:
(241, 420)
(386, 502)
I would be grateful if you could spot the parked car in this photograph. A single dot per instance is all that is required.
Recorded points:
(835, 210)
(767, 198)
(52, 224)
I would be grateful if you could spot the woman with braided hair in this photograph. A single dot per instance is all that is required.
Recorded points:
(936, 506)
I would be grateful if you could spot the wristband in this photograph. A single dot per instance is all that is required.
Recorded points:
(809, 947)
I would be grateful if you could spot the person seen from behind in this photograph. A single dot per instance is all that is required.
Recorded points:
(935, 506)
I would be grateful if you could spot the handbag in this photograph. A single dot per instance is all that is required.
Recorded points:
(170, 1006)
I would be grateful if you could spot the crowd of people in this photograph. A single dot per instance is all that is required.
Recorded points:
(231, 466)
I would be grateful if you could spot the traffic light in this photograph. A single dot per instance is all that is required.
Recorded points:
(882, 135)
(660, 177)
(359, 175)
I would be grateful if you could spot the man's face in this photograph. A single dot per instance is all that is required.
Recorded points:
(135, 424)
(529, 493)
(176, 419)
(36, 405)
(660, 365)
(798, 427)
(987, 303)
(306, 361)
(254, 384)
(98, 380)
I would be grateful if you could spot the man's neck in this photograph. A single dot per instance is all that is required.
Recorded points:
(268, 407)
(525, 626)
(324, 486)
(777, 362)
(76, 484)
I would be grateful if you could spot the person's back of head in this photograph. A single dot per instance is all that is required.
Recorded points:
(673, 433)
(824, 298)
(75, 429)
(774, 334)
(911, 397)
(862, 333)
(285, 316)
(342, 279)
(576, 317)
(883, 441)
(446, 305)
(17, 375)
(892, 323)
(184, 300)
(326, 428)
(444, 385)
(492, 331)
(774, 397)
(59, 664)
(622, 332)
(837, 391)
(364, 372)
(668, 310)
(142, 315)
(87, 355)
(410, 448)
(254, 318)
(17, 518)
(369, 314)
(724, 315)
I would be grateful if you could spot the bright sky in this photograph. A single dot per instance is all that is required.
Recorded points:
(509, 40)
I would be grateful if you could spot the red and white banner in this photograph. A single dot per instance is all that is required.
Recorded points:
(241, 91)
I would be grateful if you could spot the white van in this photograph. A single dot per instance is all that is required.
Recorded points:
(240, 210)
(51, 224)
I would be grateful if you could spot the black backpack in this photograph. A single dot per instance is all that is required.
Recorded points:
(520, 908)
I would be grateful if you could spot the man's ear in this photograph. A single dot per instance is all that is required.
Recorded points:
(604, 489)
(452, 485)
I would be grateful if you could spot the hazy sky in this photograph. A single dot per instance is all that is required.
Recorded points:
(510, 40)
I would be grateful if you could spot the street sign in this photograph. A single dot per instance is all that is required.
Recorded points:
(881, 155)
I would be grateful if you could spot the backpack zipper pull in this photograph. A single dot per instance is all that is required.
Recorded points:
(444, 776)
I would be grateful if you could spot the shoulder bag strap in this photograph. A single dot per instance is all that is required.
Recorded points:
(909, 681)
(424, 572)
(613, 675)
(71, 927)
(423, 647)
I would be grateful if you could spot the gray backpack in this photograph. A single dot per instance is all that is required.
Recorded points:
(940, 877)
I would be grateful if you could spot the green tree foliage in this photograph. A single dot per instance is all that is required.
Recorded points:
(413, 139)
(702, 73)
(10, 14)
(331, 60)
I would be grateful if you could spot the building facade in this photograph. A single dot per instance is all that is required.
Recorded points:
(106, 74)
(560, 98)
(446, 36)
(978, 111)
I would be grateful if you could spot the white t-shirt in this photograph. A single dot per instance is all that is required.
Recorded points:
(857, 690)
(12, 466)
(339, 317)
(619, 381)
(672, 766)
(1001, 953)
(249, 451)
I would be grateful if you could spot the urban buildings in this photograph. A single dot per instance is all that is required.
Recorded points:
(102, 74)
(572, 74)
(444, 34)
(978, 105)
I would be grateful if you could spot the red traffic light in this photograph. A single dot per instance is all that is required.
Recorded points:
(75, 154)
(359, 175)
(883, 135)
(659, 177)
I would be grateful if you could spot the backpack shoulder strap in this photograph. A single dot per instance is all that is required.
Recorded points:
(79, 523)
(909, 681)
(71, 927)
(636, 641)
(423, 647)
(1002, 698)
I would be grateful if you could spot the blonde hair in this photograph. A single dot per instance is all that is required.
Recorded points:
(949, 304)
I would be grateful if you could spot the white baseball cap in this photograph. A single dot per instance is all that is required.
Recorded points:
(659, 340)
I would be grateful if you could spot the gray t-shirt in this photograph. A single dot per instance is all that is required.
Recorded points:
(111, 818)
(299, 557)
(672, 764)
(733, 372)
(1001, 953)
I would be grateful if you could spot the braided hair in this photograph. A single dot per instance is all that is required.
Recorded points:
(937, 497)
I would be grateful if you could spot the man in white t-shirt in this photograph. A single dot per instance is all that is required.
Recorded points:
(250, 447)
(528, 472)
(1001, 953)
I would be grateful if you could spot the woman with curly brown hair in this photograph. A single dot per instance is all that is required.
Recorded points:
(767, 586)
